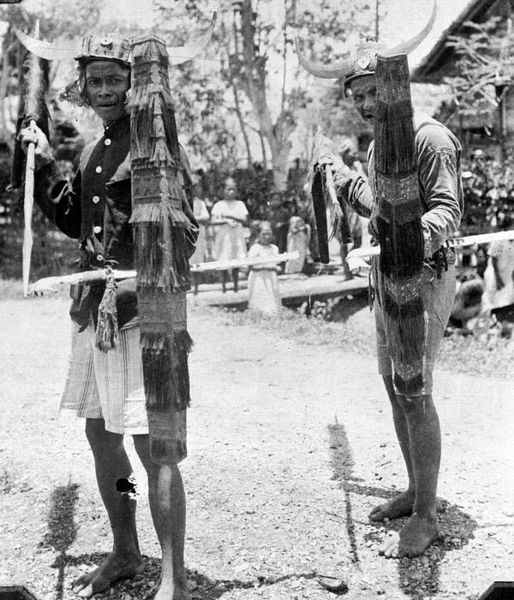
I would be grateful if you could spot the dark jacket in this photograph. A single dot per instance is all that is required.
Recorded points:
(95, 209)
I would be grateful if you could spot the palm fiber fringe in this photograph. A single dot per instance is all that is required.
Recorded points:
(407, 387)
(401, 247)
(162, 232)
(399, 226)
(394, 127)
(165, 369)
(407, 341)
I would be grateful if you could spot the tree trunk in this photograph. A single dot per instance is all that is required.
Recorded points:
(280, 156)
(242, 125)
(253, 80)
(4, 78)
(507, 123)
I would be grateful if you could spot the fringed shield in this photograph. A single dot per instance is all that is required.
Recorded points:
(162, 234)
(399, 223)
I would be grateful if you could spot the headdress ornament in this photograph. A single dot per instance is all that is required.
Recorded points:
(362, 60)
(112, 47)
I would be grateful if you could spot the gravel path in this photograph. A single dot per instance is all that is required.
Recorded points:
(290, 445)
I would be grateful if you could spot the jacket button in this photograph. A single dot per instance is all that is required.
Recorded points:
(100, 257)
(107, 141)
(96, 199)
(97, 229)
(98, 169)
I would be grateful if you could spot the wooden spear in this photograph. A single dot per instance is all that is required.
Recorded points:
(32, 100)
(355, 257)
(50, 284)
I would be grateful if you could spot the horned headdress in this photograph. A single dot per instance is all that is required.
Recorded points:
(111, 47)
(395, 181)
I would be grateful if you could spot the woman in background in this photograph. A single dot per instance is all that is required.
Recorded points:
(202, 216)
(230, 215)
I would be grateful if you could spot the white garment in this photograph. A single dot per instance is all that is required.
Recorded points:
(263, 294)
(230, 241)
(503, 251)
(202, 215)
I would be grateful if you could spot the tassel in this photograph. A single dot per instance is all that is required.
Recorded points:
(107, 334)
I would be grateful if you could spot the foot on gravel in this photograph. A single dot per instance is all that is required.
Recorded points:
(113, 568)
(413, 539)
(399, 506)
(170, 590)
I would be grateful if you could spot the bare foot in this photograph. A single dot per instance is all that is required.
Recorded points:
(399, 506)
(113, 568)
(413, 540)
(170, 590)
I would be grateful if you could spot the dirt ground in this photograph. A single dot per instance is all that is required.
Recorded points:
(290, 446)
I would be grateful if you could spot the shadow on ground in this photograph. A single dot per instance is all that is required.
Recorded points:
(61, 529)
(145, 584)
(62, 532)
(418, 577)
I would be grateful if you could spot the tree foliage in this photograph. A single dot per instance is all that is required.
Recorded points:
(485, 65)
(259, 84)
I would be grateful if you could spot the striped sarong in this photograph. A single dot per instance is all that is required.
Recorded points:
(107, 385)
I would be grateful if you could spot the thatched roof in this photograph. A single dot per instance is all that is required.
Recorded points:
(442, 54)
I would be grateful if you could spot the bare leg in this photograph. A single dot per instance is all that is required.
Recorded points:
(402, 504)
(223, 281)
(168, 507)
(235, 279)
(425, 452)
(112, 463)
(344, 254)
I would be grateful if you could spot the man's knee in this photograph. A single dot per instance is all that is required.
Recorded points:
(415, 405)
(101, 439)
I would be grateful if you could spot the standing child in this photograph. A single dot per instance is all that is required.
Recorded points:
(298, 239)
(263, 295)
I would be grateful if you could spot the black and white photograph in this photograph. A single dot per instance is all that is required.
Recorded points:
(257, 299)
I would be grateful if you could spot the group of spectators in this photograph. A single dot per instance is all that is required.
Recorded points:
(486, 270)
(230, 227)
(232, 217)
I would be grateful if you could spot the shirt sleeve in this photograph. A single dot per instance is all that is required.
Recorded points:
(354, 190)
(59, 199)
(255, 251)
(440, 184)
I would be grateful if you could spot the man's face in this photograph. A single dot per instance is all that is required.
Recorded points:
(364, 94)
(107, 83)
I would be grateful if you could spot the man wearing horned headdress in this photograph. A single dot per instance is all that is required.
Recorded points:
(408, 382)
(106, 388)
